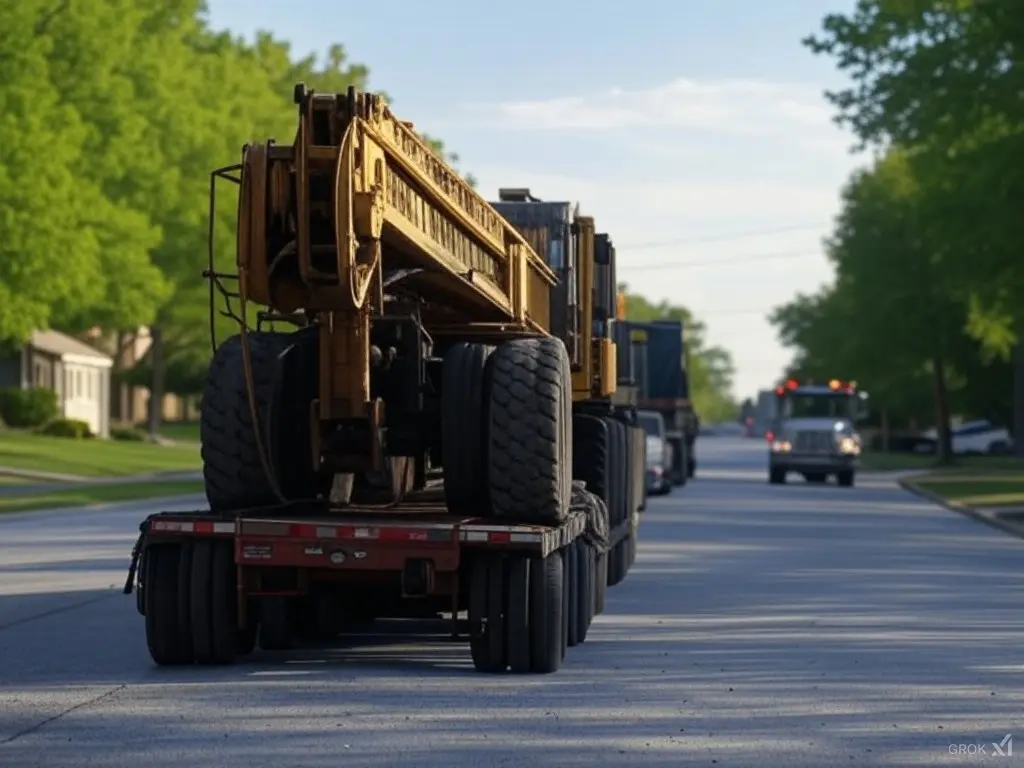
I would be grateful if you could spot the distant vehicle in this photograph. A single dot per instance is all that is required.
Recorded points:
(815, 432)
(974, 437)
(659, 453)
(664, 387)
(765, 411)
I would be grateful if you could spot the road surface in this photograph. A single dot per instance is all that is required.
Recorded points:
(769, 626)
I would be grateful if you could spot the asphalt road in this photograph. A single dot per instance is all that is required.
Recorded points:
(769, 626)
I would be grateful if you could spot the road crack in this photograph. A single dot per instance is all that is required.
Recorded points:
(81, 705)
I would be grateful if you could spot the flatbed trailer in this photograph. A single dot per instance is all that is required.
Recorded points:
(414, 445)
(213, 586)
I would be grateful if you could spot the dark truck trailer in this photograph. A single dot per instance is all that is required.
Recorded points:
(663, 386)
(214, 586)
(610, 449)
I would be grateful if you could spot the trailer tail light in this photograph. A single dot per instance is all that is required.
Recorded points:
(769, 436)
(199, 527)
(391, 533)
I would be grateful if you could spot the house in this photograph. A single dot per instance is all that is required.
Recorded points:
(130, 404)
(78, 373)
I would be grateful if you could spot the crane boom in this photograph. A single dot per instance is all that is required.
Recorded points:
(358, 212)
(359, 193)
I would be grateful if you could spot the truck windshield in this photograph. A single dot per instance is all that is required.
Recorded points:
(818, 406)
(651, 423)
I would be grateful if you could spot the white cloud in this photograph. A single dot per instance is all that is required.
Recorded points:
(679, 162)
(739, 107)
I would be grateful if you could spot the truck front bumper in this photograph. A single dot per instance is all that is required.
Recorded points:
(826, 463)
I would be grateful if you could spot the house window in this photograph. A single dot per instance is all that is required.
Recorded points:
(39, 373)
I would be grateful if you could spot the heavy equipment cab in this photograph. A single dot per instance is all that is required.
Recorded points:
(584, 300)
(814, 431)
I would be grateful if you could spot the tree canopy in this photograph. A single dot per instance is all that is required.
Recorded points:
(710, 367)
(114, 114)
(928, 296)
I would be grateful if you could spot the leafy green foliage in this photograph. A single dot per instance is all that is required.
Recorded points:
(710, 367)
(943, 77)
(112, 115)
(73, 429)
(929, 291)
(28, 408)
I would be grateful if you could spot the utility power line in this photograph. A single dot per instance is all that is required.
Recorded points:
(719, 261)
(724, 238)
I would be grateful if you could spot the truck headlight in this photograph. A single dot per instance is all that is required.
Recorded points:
(781, 446)
(849, 445)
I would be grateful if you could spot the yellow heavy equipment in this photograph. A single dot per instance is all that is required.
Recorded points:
(407, 448)
(359, 232)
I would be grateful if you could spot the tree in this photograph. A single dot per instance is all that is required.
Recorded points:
(62, 237)
(944, 77)
(710, 368)
(892, 313)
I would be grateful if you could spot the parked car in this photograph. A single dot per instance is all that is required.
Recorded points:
(659, 453)
(979, 436)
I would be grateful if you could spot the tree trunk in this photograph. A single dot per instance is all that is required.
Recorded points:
(156, 384)
(944, 444)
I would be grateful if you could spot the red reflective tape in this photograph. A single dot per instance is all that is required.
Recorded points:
(203, 527)
(399, 534)
(499, 537)
(304, 531)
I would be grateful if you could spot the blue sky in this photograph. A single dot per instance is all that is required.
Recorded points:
(695, 132)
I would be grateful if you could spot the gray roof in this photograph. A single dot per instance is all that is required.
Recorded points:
(60, 344)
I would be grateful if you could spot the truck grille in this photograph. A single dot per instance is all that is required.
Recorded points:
(814, 442)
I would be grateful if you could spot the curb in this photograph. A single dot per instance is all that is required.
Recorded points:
(991, 520)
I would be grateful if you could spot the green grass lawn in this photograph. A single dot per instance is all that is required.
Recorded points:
(96, 494)
(878, 461)
(977, 487)
(93, 458)
(184, 431)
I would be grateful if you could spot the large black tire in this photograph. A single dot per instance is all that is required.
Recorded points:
(530, 454)
(616, 496)
(547, 645)
(517, 618)
(638, 460)
(691, 465)
(185, 598)
(601, 585)
(680, 463)
(571, 557)
(617, 565)
(585, 591)
(163, 626)
(214, 615)
(590, 458)
(486, 608)
(845, 479)
(464, 444)
(777, 476)
(284, 369)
